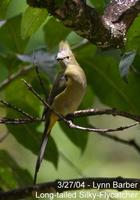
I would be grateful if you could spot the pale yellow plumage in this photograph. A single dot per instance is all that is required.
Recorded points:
(66, 94)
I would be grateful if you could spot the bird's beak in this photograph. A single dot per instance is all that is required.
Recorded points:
(59, 56)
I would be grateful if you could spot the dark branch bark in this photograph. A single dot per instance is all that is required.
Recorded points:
(74, 184)
(107, 30)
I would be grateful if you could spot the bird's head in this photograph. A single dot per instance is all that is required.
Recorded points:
(65, 54)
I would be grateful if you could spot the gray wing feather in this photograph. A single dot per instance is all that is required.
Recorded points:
(58, 87)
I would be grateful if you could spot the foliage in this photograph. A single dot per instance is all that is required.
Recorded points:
(11, 173)
(18, 43)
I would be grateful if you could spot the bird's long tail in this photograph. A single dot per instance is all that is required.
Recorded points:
(48, 127)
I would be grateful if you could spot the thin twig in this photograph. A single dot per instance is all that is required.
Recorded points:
(131, 143)
(99, 130)
(16, 109)
(18, 121)
(14, 76)
(113, 111)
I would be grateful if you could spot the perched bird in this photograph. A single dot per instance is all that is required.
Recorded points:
(65, 96)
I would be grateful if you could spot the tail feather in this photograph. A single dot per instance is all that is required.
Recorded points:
(48, 126)
(41, 154)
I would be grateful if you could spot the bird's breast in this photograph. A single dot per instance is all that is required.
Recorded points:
(69, 100)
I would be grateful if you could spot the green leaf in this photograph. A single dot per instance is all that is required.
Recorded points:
(10, 37)
(133, 36)
(88, 99)
(11, 173)
(136, 64)
(28, 135)
(77, 137)
(104, 78)
(3, 69)
(32, 20)
(55, 31)
(125, 63)
(3, 8)
(99, 5)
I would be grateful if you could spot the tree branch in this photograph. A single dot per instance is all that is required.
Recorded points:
(16, 109)
(14, 76)
(19, 121)
(131, 143)
(79, 113)
(107, 30)
(99, 130)
(113, 111)
(60, 186)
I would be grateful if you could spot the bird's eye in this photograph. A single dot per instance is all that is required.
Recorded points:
(67, 57)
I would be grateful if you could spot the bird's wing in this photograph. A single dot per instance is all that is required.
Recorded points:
(58, 87)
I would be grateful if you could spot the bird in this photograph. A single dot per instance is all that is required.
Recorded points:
(66, 94)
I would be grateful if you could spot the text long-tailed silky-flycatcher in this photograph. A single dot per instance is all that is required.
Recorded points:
(65, 95)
